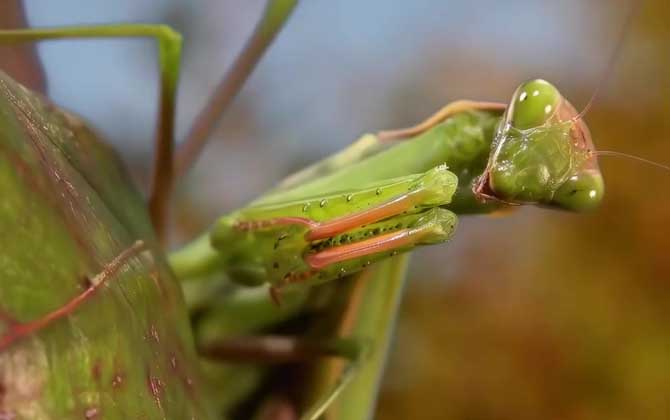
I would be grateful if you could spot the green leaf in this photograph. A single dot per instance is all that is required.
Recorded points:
(68, 211)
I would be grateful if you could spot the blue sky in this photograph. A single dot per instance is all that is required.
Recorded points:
(327, 47)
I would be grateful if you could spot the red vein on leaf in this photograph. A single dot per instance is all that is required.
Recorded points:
(20, 330)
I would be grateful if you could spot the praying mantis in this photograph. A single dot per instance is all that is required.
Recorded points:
(541, 153)
(502, 161)
(370, 202)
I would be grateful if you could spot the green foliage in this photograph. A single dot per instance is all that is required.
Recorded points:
(68, 211)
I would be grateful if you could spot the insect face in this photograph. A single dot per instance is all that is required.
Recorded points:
(542, 154)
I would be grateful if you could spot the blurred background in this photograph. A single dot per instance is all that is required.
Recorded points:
(537, 315)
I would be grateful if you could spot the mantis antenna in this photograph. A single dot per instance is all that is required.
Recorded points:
(634, 10)
(628, 23)
(613, 153)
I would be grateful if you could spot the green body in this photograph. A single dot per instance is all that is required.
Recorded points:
(462, 143)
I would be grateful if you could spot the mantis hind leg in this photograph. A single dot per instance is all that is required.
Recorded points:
(441, 115)
(169, 53)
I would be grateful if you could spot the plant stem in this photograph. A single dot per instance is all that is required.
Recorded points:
(274, 17)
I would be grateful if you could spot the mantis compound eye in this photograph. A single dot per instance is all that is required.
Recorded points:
(533, 104)
(581, 192)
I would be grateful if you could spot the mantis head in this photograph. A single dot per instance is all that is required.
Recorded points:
(542, 154)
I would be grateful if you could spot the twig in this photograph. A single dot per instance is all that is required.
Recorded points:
(273, 19)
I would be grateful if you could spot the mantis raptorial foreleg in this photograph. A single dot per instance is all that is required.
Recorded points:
(320, 238)
(169, 53)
